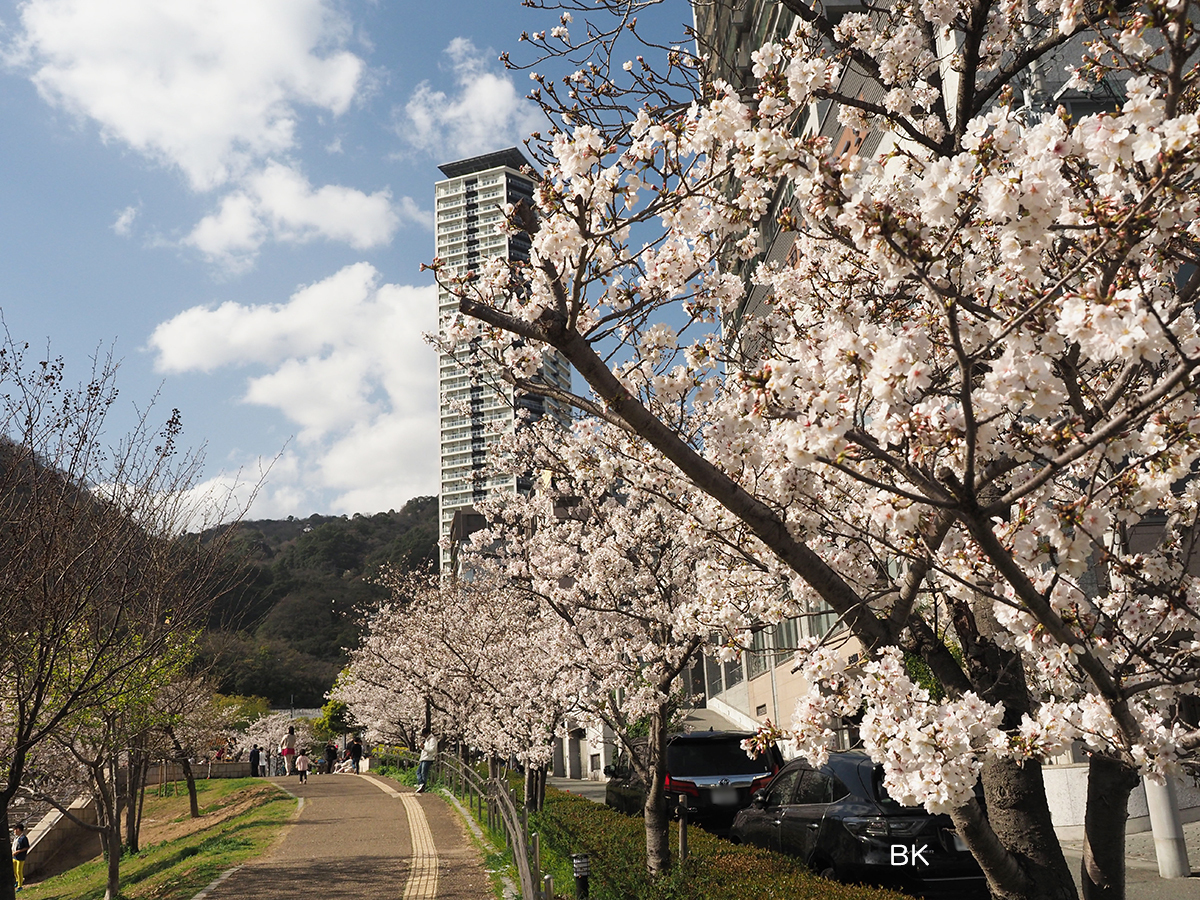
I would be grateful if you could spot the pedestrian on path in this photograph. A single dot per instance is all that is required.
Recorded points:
(303, 765)
(331, 753)
(255, 756)
(287, 749)
(20, 850)
(428, 755)
(356, 752)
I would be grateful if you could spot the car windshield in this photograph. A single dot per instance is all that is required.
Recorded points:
(708, 757)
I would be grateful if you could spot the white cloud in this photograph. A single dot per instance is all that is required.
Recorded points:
(344, 360)
(124, 221)
(209, 88)
(485, 113)
(279, 203)
(411, 212)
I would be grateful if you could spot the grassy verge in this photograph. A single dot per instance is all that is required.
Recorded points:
(240, 819)
(715, 869)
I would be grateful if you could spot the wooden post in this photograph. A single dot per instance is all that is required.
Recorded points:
(683, 828)
(548, 888)
(535, 846)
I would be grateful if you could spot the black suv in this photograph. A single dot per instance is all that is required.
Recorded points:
(707, 769)
(841, 822)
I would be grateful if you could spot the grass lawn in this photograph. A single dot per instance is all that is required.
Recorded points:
(240, 818)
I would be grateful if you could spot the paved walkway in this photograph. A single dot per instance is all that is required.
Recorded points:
(1142, 881)
(360, 837)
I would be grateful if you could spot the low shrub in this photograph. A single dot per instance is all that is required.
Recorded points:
(715, 868)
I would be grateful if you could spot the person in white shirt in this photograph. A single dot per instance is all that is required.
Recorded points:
(428, 755)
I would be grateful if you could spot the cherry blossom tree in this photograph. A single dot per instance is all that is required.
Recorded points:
(471, 653)
(616, 582)
(964, 415)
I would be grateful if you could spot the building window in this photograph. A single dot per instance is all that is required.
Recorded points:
(712, 671)
(787, 637)
(733, 673)
(758, 657)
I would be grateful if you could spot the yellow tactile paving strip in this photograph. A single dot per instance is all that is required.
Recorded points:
(423, 876)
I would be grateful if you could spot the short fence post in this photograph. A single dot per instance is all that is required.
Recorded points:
(536, 849)
(581, 866)
(548, 888)
(683, 826)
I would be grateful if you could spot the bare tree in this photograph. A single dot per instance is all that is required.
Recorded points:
(100, 584)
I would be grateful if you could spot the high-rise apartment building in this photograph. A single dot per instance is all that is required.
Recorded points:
(475, 406)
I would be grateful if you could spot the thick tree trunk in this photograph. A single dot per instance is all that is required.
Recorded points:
(1110, 782)
(532, 803)
(111, 838)
(7, 888)
(658, 834)
(108, 815)
(190, 777)
(135, 789)
(535, 788)
(1020, 817)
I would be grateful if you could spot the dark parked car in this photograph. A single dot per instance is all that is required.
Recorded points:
(841, 822)
(708, 769)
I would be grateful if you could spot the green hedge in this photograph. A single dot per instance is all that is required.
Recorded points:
(715, 868)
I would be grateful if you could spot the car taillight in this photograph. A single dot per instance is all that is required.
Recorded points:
(880, 826)
(675, 786)
(873, 826)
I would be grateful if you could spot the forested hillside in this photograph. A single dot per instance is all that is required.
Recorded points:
(300, 591)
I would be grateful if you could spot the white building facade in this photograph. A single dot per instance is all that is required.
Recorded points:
(475, 406)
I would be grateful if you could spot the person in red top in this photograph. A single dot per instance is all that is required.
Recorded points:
(287, 749)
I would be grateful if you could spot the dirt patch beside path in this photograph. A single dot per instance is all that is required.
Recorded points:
(157, 831)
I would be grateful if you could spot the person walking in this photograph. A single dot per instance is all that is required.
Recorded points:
(428, 755)
(331, 754)
(20, 850)
(255, 756)
(287, 749)
(303, 765)
(356, 752)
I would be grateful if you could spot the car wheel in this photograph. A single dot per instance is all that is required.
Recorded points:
(826, 870)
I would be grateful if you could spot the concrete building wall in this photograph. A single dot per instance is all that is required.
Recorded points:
(475, 406)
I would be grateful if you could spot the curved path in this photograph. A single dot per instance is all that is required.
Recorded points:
(360, 837)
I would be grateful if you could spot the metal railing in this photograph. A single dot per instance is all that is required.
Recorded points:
(492, 801)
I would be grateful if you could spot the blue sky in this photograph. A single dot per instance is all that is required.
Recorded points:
(235, 196)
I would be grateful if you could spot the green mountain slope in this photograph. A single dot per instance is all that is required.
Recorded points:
(299, 592)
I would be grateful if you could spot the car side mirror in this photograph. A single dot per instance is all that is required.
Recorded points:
(610, 770)
(759, 800)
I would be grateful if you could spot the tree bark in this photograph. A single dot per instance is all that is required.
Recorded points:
(532, 802)
(135, 792)
(188, 775)
(8, 890)
(658, 834)
(109, 821)
(1110, 782)
(111, 837)
(1019, 815)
